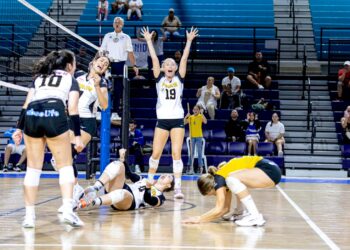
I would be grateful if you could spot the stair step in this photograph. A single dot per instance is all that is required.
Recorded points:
(304, 113)
(304, 123)
(303, 129)
(313, 98)
(319, 147)
(308, 140)
(312, 159)
(319, 135)
(288, 87)
(295, 165)
(308, 152)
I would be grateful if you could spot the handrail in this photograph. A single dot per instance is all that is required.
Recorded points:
(297, 42)
(292, 15)
(313, 134)
(322, 29)
(126, 109)
(335, 54)
(12, 34)
(309, 104)
(304, 73)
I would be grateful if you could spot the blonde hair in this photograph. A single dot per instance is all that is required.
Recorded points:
(167, 60)
(206, 182)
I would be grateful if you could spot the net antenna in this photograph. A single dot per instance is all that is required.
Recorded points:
(54, 22)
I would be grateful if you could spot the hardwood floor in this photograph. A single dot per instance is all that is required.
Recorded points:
(325, 205)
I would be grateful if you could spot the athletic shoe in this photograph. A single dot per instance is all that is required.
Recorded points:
(137, 169)
(28, 222)
(72, 219)
(178, 194)
(17, 168)
(251, 220)
(78, 192)
(53, 163)
(60, 210)
(5, 169)
(260, 86)
(235, 215)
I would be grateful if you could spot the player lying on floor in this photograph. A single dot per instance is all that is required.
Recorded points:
(122, 196)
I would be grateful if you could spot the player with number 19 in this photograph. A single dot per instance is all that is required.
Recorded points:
(170, 113)
(44, 121)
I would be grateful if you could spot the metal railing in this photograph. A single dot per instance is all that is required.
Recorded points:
(324, 40)
(338, 50)
(304, 74)
(313, 134)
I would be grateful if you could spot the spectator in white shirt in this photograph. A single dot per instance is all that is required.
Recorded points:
(208, 96)
(274, 132)
(135, 6)
(119, 48)
(171, 24)
(231, 94)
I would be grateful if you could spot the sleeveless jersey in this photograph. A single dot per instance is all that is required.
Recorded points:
(169, 93)
(54, 86)
(88, 95)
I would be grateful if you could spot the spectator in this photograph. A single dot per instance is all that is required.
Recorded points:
(118, 46)
(258, 72)
(158, 47)
(83, 59)
(119, 7)
(177, 57)
(136, 142)
(343, 82)
(262, 105)
(233, 128)
(274, 132)
(231, 94)
(102, 10)
(252, 126)
(14, 148)
(208, 96)
(196, 134)
(345, 123)
(171, 24)
(135, 7)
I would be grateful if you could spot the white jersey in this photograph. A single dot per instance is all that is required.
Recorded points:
(88, 95)
(56, 86)
(169, 93)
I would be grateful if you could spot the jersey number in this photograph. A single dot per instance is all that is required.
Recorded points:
(52, 81)
(170, 94)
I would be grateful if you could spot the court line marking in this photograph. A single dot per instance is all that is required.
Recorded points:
(141, 247)
(308, 220)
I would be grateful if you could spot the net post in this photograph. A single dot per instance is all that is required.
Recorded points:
(105, 135)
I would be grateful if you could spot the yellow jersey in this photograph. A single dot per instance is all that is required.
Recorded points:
(195, 123)
(245, 162)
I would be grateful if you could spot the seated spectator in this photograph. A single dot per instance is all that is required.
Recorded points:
(233, 128)
(343, 86)
(177, 56)
(258, 73)
(14, 147)
(158, 47)
(195, 122)
(171, 24)
(208, 96)
(119, 7)
(136, 142)
(102, 10)
(252, 126)
(262, 105)
(345, 123)
(231, 91)
(274, 132)
(135, 7)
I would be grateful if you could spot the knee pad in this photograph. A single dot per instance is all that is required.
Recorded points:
(113, 169)
(66, 175)
(117, 195)
(235, 185)
(153, 163)
(178, 166)
(32, 178)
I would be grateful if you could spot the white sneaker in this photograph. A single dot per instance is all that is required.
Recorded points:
(60, 210)
(235, 215)
(260, 86)
(28, 222)
(251, 220)
(178, 194)
(115, 117)
(72, 219)
(53, 163)
(280, 153)
(78, 192)
(137, 169)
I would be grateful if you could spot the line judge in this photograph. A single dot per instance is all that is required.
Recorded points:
(119, 48)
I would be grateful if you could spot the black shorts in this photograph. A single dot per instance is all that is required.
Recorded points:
(271, 169)
(45, 118)
(88, 125)
(133, 204)
(169, 124)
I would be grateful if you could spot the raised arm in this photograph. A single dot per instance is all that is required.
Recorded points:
(183, 63)
(152, 52)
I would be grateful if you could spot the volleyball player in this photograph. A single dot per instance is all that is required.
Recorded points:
(235, 177)
(122, 196)
(93, 87)
(170, 113)
(44, 121)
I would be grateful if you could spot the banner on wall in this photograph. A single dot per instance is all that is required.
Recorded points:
(140, 52)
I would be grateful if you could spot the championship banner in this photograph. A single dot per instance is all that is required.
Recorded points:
(140, 52)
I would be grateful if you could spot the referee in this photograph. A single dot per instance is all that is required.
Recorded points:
(119, 48)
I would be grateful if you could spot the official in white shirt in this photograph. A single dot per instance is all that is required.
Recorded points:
(119, 48)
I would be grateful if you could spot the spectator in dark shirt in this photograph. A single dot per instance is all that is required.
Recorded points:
(258, 73)
(233, 128)
(136, 142)
(177, 56)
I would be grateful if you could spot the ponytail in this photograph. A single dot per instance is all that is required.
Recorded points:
(54, 60)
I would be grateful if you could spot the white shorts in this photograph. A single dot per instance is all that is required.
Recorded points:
(252, 137)
(16, 149)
